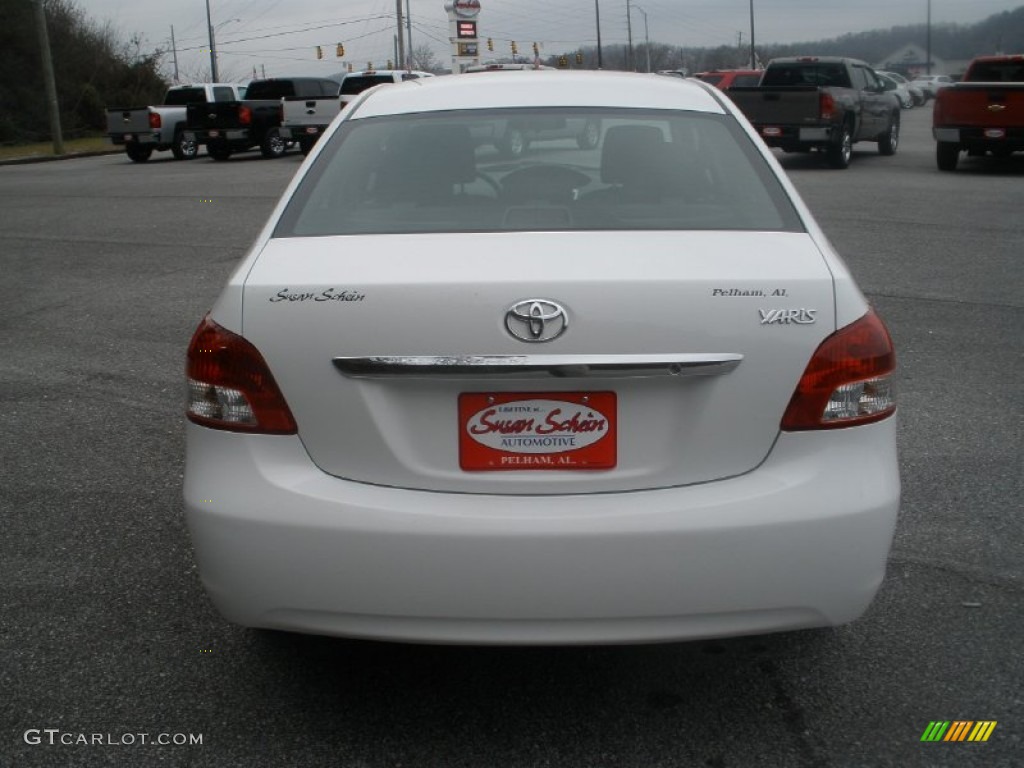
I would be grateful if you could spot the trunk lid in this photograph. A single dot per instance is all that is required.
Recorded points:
(761, 302)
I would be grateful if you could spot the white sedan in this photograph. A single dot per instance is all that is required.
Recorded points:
(609, 394)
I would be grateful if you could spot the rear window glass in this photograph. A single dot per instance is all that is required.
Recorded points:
(743, 81)
(712, 79)
(183, 96)
(353, 84)
(538, 170)
(998, 72)
(270, 89)
(806, 74)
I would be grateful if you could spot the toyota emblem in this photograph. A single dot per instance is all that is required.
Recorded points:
(536, 320)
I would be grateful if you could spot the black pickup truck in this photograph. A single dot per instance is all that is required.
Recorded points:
(233, 126)
(821, 103)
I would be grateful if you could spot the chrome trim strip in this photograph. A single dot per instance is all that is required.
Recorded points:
(558, 366)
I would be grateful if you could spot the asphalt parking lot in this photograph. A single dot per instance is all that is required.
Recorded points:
(105, 629)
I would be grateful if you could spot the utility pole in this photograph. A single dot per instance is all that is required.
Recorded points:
(408, 35)
(214, 77)
(174, 48)
(753, 54)
(647, 37)
(630, 64)
(56, 134)
(928, 43)
(400, 45)
(597, 20)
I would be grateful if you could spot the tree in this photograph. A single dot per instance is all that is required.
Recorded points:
(424, 59)
(92, 68)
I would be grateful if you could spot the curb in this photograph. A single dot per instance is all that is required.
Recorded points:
(66, 156)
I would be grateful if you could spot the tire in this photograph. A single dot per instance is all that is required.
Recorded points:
(218, 151)
(514, 143)
(137, 152)
(273, 146)
(839, 153)
(946, 155)
(182, 148)
(889, 141)
(590, 136)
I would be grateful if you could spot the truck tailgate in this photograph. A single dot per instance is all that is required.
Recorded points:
(121, 121)
(981, 105)
(795, 105)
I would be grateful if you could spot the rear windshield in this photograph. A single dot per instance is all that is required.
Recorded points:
(270, 89)
(182, 96)
(353, 84)
(806, 73)
(743, 81)
(538, 170)
(998, 72)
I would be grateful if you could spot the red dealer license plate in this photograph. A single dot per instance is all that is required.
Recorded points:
(537, 430)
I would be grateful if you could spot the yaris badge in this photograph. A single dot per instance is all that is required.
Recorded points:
(536, 320)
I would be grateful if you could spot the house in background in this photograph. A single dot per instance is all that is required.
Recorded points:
(912, 60)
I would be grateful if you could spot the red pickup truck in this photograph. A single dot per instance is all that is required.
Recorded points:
(983, 113)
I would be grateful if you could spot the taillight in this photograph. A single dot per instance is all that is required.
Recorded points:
(154, 120)
(230, 386)
(244, 115)
(826, 105)
(849, 380)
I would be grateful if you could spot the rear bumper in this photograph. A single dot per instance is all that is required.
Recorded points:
(788, 136)
(982, 138)
(802, 541)
(149, 139)
(215, 134)
(295, 132)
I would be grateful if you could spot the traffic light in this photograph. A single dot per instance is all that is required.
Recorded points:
(390, 65)
(319, 52)
(515, 48)
(536, 51)
(339, 51)
(490, 44)
(350, 66)
(579, 57)
(563, 61)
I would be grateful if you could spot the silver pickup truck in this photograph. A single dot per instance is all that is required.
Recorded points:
(140, 130)
(304, 119)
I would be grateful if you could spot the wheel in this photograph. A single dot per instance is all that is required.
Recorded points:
(839, 153)
(182, 148)
(218, 151)
(273, 145)
(138, 152)
(514, 143)
(590, 135)
(946, 155)
(889, 140)
(305, 145)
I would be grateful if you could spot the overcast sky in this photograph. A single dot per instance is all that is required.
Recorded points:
(280, 36)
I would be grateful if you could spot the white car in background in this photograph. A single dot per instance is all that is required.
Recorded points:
(930, 84)
(610, 394)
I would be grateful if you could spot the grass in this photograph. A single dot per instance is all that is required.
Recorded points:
(45, 148)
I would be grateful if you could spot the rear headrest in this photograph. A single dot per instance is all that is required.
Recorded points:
(442, 153)
(631, 152)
